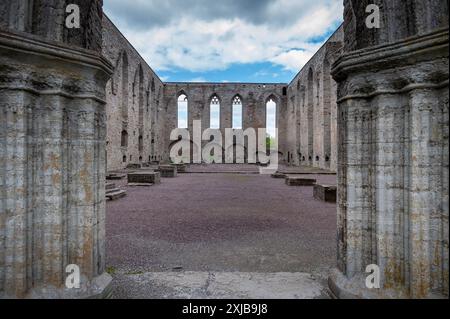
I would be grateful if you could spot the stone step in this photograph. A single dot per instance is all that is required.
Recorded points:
(140, 184)
(109, 186)
(326, 193)
(112, 190)
(300, 181)
(116, 195)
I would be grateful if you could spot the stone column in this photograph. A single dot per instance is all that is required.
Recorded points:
(52, 150)
(393, 125)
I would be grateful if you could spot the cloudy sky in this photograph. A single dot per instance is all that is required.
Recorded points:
(226, 40)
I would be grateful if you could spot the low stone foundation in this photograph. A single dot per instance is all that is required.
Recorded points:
(134, 166)
(300, 181)
(114, 176)
(145, 178)
(325, 193)
(181, 168)
(168, 171)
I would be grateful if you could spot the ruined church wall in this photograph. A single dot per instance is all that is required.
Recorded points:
(312, 109)
(133, 97)
(253, 97)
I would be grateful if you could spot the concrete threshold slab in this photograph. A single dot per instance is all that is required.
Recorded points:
(218, 285)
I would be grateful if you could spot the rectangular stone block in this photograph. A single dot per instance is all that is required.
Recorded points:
(168, 170)
(149, 177)
(278, 175)
(300, 181)
(113, 176)
(115, 194)
(181, 168)
(326, 193)
(134, 166)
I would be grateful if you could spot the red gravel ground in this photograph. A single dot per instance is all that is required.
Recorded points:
(221, 222)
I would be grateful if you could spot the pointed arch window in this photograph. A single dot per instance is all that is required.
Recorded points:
(214, 122)
(271, 117)
(237, 113)
(183, 111)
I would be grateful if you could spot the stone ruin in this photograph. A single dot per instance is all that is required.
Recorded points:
(372, 104)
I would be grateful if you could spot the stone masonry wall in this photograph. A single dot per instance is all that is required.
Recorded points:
(312, 116)
(393, 118)
(52, 147)
(134, 104)
(253, 98)
(142, 110)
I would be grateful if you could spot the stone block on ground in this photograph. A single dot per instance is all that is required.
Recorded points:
(143, 177)
(326, 193)
(278, 175)
(181, 168)
(300, 181)
(168, 170)
(115, 176)
(115, 194)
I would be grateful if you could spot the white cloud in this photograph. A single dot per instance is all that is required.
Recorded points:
(198, 80)
(293, 60)
(195, 44)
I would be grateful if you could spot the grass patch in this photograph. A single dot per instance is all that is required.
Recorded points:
(111, 270)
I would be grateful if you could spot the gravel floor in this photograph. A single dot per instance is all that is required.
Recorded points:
(221, 223)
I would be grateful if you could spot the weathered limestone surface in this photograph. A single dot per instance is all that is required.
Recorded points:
(135, 113)
(393, 151)
(52, 150)
(311, 113)
(383, 125)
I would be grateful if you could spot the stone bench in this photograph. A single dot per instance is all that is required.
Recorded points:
(326, 193)
(300, 181)
(144, 178)
(168, 170)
